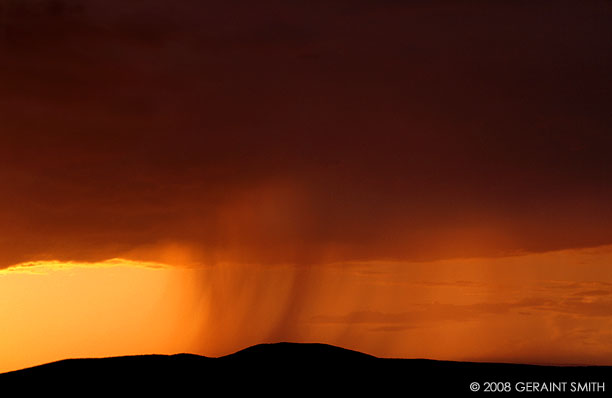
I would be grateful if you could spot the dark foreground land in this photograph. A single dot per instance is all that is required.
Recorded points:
(288, 369)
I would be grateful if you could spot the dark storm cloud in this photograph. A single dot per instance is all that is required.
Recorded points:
(297, 131)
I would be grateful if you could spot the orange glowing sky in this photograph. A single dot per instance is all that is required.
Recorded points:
(553, 307)
(415, 179)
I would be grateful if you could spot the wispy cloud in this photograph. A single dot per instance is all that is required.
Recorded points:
(44, 267)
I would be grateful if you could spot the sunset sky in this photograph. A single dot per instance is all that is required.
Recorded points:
(406, 178)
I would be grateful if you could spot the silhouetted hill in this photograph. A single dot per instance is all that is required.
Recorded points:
(302, 351)
(289, 369)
